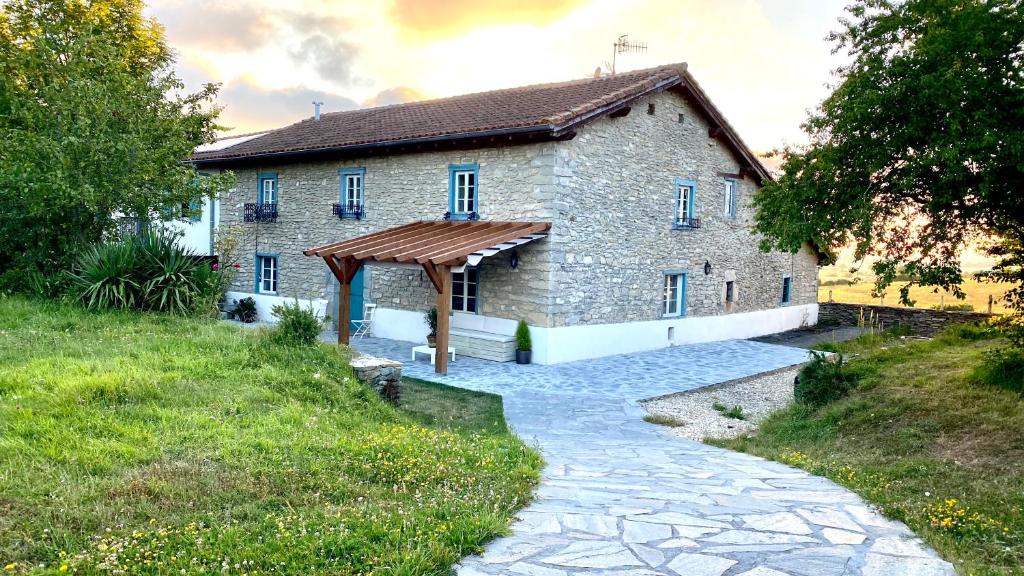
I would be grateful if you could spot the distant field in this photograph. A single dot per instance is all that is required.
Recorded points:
(860, 293)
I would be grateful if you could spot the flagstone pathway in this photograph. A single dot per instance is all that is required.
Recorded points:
(623, 497)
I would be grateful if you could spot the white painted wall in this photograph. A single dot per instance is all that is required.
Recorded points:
(197, 236)
(265, 303)
(569, 343)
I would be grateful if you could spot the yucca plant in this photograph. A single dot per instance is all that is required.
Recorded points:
(106, 277)
(169, 274)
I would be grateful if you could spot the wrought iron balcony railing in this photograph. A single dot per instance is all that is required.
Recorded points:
(462, 216)
(254, 212)
(353, 211)
(687, 223)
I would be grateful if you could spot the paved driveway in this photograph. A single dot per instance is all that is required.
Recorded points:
(620, 496)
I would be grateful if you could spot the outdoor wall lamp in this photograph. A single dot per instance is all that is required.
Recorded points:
(707, 267)
(514, 261)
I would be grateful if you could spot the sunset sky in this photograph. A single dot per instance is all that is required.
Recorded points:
(764, 62)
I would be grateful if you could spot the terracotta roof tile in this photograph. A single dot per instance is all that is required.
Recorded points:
(541, 106)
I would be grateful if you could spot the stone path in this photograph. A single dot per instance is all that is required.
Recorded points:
(623, 497)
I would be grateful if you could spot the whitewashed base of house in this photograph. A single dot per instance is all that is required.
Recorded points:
(569, 343)
(265, 303)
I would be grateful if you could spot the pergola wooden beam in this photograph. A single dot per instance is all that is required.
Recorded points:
(436, 247)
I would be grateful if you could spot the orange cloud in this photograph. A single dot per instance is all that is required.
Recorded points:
(440, 18)
(397, 95)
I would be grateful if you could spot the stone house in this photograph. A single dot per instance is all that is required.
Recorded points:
(645, 186)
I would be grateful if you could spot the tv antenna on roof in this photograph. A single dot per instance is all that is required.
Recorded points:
(624, 46)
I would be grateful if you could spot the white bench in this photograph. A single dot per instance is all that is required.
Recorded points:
(432, 351)
(483, 345)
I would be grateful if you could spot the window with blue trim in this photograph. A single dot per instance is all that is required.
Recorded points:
(674, 295)
(195, 210)
(266, 273)
(267, 192)
(686, 192)
(352, 187)
(463, 180)
(730, 197)
(787, 289)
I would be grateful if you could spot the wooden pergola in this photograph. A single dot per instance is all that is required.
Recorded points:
(437, 247)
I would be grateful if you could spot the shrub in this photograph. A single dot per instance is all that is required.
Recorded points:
(963, 307)
(145, 272)
(431, 319)
(823, 380)
(523, 341)
(1002, 368)
(970, 331)
(245, 310)
(107, 276)
(296, 325)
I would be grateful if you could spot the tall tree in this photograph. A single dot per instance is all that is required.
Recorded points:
(919, 149)
(94, 124)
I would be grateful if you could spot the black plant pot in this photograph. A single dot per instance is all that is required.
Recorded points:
(523, 356)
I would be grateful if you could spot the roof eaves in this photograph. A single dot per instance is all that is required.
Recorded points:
(370, 146)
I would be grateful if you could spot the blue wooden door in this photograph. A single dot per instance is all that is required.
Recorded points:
(356, 300)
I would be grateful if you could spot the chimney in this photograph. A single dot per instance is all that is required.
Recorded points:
(316, 110)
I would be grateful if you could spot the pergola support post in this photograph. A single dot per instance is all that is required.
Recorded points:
(444, 308)
(344, 270)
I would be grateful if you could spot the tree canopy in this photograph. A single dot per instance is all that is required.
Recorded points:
(919, 149)
(94, 125)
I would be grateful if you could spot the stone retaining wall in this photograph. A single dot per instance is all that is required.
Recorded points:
(921, 321)
(381, 374)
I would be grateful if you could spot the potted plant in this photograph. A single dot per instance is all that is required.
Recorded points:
(431, 318)
(524, 346)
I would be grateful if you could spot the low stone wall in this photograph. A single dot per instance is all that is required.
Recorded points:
(921, 321)
(381, 374)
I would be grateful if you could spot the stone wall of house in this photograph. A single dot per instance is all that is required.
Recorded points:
(920, 321)
(515, 183)
(613, 236)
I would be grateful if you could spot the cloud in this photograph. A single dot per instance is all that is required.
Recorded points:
(396, 95)
(440, 18)
(214, 25)
(331, 58)
(249, 107)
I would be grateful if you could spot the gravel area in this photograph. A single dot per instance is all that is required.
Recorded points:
(758, 395)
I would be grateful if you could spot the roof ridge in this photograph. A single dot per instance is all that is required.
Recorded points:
(678, 67)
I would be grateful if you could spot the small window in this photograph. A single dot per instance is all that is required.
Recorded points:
(351, 192)
(682, 118)
(730, 292)
(650, 108)
(685, 192)
(464, 290)
(787, 289)
(462, 193)
(268, 189)
(266, 274)
(195, 211)
(730, 198)
(674, 296)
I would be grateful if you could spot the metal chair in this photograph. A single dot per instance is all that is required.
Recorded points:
(364, 326)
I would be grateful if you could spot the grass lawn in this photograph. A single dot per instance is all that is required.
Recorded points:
(922, 440)
(156, 445)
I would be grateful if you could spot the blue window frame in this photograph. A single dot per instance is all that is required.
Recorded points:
(463, 190)
(787, 289)
(673, 297)
(195, 210)
(267, 191)
(686, 207)
(731, 191)
(350, 188)
(267, 273)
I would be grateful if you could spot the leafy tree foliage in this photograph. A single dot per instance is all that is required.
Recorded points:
(94, 126)
(919, 149)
